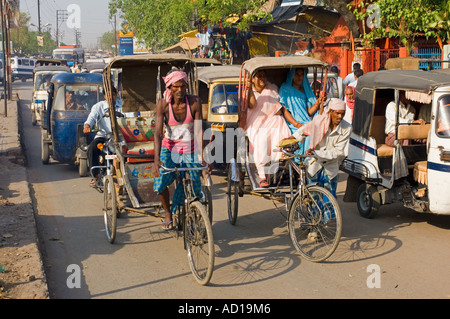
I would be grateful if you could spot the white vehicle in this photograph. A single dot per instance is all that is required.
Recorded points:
(69, 53)
(415, 173)
(22, 68)
(2, 71)
(42, 77)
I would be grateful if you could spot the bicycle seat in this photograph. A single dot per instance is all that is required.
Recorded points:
(287, 142)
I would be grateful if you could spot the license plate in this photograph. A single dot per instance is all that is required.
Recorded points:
(108, 157)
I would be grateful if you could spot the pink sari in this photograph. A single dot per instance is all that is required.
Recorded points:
(264, 128)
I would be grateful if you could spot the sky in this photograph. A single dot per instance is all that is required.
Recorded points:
(94, 18)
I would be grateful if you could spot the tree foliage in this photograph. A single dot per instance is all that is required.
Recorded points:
(25, 41)
(403, 19)
(160, 22)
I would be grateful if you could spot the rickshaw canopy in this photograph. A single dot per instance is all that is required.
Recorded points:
(50, 68)
(406, 80)
(142, 78)
(209, 74)
(285, 62)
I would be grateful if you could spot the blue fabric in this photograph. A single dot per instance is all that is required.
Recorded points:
(297, 103)
(323, 180)
(165, 179)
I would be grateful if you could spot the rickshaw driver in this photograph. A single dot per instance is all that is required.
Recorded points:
(406, 114)
(329, 140)
(71, 103)
(176, 148)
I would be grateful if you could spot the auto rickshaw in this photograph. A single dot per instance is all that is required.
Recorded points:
(218, 90)
(41, 76)
(414, 172)
(93, 67)
(71, 97)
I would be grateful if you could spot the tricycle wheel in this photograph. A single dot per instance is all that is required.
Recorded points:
(232, 197)
(368, 200)
(315, 223)
(208, 201)
(110, 208)
(45, 150)
(33, 118)
(199, 242)
(83, 168)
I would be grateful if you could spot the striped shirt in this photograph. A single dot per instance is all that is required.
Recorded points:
(179, 136)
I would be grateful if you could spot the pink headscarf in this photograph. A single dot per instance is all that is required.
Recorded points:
(351, 104)
(318, 127)
(171, 79)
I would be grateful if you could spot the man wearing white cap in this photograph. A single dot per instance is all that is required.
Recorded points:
(329, 140)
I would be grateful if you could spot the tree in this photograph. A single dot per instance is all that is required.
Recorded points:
(107, 40)
(402, 19)
(25, 41)
(160, 22)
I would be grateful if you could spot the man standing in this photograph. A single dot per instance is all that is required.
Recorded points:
(176, 147)
(351, 77)
(329, 140)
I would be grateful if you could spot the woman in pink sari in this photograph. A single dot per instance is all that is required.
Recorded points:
(266, 125)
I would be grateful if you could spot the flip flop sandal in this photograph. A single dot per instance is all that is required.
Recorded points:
(167, 226)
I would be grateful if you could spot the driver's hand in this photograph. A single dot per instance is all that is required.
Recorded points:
(86, 128)
(155, 168)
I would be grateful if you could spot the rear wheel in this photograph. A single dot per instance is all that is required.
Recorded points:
(315, 223)
(83, 168)
(232, 197)
(110, 208)
(368, 200)
(45, 149)
(199, 242)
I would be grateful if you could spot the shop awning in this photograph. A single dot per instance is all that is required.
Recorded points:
(185, 44)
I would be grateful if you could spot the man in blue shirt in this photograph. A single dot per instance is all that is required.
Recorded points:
(97, 116)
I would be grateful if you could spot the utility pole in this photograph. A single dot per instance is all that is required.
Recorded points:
(39, 17)
(61, 15)
(4, 59)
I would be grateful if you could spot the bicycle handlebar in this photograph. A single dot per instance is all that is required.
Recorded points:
(292, 154)
(182, 169)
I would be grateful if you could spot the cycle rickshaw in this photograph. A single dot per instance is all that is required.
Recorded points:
(128, 183)
(314, 218)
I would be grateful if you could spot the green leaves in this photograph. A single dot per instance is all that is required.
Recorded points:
(159, 22)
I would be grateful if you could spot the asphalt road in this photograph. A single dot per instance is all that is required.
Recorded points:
(399, 254)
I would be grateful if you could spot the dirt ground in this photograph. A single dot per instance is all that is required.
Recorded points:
(21, 269)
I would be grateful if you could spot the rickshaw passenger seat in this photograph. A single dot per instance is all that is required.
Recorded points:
(384, 150)
(377, 132)
(138, 134)
(420, 172)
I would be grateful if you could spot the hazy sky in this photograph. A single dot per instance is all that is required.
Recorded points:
(94, 18)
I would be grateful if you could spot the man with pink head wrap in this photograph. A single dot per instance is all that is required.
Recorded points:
(175, 136)
(330, 135)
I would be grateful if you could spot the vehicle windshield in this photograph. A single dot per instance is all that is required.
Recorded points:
(225, 99)
(82, 97)
(63, 56)
(443, 117)
(42, 81)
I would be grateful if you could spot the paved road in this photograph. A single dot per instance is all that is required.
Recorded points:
(402, 252)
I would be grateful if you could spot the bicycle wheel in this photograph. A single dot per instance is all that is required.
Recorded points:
(110, 208)
(199, 242)
(315, 223)
(206, 190)
(232, 198)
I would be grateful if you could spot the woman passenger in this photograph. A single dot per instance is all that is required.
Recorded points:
(266, 125)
